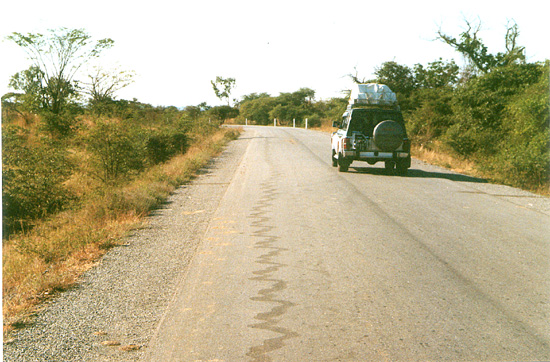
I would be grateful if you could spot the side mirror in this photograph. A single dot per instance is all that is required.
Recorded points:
(335, 124)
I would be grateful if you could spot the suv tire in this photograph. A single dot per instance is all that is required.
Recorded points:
(388, 135)
(343, 164)
(402, 169)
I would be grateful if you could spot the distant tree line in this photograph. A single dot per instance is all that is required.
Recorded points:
(263, 109)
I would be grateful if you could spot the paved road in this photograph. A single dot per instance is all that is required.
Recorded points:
(273, 255)
(302, 263)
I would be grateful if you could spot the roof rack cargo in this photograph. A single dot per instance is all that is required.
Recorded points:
(372, 94)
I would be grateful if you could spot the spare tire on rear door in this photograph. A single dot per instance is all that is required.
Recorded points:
(388, 135)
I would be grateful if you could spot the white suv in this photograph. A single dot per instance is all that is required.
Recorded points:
(372, 130)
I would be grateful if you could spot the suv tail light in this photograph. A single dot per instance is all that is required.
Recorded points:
(347, 143)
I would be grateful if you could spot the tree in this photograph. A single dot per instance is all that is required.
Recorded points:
(257, 110)
(194, 112)
(355, 77)
(332, 109)
(117, 149)
(524, 154)
(33, 98)
(295, 105)
(479, 107)
(471, 46)
(222, 87)
(221, 113)
(437, 74)
(103, 84)
(398, 77)
(57, 57)
(251, 97)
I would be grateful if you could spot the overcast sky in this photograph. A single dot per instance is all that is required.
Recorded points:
(177, 47)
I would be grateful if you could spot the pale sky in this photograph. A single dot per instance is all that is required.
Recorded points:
(177, 47)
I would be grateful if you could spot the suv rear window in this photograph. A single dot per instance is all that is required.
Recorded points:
(364, 120)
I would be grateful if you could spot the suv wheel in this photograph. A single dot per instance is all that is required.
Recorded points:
(343, 164)
(334, 159)
(402, 169)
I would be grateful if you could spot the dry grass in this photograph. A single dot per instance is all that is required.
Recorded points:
(439, 158)
(325, 127)
(51, 257)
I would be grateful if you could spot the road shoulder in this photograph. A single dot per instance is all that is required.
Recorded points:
(114, 312)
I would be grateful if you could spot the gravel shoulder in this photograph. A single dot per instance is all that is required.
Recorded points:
(113, 313)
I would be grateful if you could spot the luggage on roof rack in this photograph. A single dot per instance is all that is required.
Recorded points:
(372, 94)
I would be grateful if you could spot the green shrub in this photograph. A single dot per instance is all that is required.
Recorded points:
(461, 139)
(313, 120)
(162, 145)
(32, 174)
(524, 165)
(159, 148)
(232, 134)
(524, 157)
(479, 108)
(433, 114)
(117, 149)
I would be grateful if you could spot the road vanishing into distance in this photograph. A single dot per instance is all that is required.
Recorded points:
(294, 261)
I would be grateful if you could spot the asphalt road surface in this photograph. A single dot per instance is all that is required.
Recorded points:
(298, 262)
(304, 263)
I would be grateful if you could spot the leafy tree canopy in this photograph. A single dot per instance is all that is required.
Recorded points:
(222, 87)
(102, 84)
(252, 96)
(49, 85)
(436, 74)
(472, 47)
(399, 78)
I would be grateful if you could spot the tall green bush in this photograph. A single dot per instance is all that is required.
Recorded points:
(33, 173)
(118, 149)
(524, 154)
(161, 145)
(433, 114)
(257, 110)
(479, 108)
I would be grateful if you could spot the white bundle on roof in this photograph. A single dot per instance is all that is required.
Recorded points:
(372, 94)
